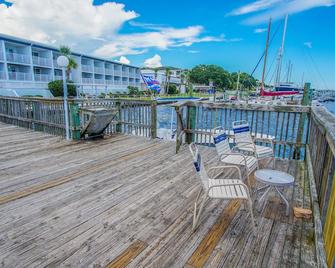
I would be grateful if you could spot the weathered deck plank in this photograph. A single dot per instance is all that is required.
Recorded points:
(127, 201)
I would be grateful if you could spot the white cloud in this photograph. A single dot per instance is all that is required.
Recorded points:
(277, 9)
(124, 60)
(254, 7)
(88, 28)
(308, 44)
(193, 51)
(154, 62)
(63, 21)
(164, 38)
(260, 30)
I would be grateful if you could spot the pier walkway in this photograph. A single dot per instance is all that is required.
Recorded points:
(128, 201)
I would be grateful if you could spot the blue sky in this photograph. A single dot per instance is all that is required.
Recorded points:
(185, 33)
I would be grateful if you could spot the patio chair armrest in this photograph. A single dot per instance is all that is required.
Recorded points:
(226, 167)
(213, 130)
(222, 156)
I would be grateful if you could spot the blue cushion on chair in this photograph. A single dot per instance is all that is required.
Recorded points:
(241, 129)
(219, 138)
(197, 164)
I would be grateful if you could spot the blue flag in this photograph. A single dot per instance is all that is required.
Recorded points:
(151, 83)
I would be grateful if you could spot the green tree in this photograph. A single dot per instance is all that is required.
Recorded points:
(133, 90)
(66, 51)
(167, 78)
(246, 81)
(202, 74)
(172, 89)
(56, 88)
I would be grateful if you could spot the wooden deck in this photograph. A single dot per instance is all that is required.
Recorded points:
(128, 201)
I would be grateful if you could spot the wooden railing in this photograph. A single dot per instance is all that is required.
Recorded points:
(321, 171)
(286, 124)
(46, 115)
(137, 117)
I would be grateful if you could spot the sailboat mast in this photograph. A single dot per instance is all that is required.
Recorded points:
(281, 52)
(266, 55)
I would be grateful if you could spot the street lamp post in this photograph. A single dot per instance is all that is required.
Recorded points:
(63, 62)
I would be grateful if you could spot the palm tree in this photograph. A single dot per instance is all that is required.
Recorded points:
(156, 72)
(66, 51)
(167, 79)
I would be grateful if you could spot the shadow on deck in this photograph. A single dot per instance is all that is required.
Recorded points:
(128, 201)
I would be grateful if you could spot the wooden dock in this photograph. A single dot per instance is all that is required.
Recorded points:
(128, 201)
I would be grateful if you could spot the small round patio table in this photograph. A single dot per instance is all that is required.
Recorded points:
(273, 180)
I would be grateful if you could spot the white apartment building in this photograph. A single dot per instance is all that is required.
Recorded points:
(27, 67)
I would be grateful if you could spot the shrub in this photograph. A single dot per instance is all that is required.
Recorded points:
(133, 90)
(172, 89)
(56, 88)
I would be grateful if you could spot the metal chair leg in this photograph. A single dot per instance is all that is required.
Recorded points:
(196, 214)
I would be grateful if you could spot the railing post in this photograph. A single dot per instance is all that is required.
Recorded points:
(154, 119)
(191, 114)
(118, 126)
(75, 121)
(306, 100)
(179, 129)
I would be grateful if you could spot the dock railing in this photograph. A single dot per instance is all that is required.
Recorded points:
(320, 159)
(137, 117)
(286, 125)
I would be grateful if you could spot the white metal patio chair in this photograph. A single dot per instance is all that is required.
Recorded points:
(217, 186)
(230, 156)
(245, 143)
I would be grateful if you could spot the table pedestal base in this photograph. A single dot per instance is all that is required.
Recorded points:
(268, 189)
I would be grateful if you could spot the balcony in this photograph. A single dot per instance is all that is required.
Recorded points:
(109, 71)
(125, 83)
(117, 82)
(99, 81)
(87, 68)
(1, 55)
(117, 72)
(87, 80)
(18, 58)
(43, 77)
(98, 70)
(19, 76)
(40, 61)
(124, 73)
(109, 82)
(58, 77)
(2, 75)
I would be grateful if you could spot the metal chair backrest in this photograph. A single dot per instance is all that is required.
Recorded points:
(198, 165)
(242, 132)
(221, 142)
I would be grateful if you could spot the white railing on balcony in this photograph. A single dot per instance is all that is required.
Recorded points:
(109, 71)
(117, 72)
(124, 73)
(2, 75)
(43, 77)
(55, 64)
(99, 70)
(125, 82)
(42, 61)
(87, 80)
(17, 58)
(87, 68)
(19, 76)
(1, 55)
(117, 82)
(99, 81)
(109, 82)
(58, 77)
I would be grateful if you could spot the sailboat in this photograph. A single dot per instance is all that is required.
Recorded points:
(282, 89)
